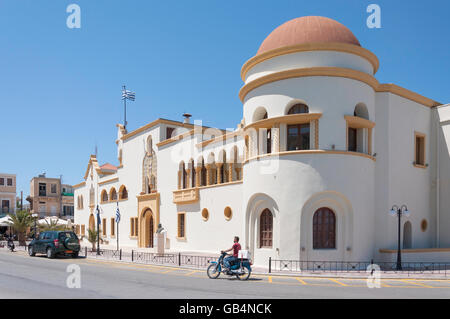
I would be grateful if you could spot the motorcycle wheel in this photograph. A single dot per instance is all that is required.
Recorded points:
(212, 271)
(245, 274)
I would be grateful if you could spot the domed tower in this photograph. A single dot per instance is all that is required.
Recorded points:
(308, 104)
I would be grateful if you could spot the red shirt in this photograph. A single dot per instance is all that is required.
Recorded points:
(236, 248)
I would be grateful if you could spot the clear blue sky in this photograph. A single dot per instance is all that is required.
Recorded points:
(60, 88)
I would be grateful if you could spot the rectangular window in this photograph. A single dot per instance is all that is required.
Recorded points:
(420, 149)
(181, 225)
(113, 228)
(53, 188)
(42, 189)
(104, 226)
(2, 181)
(352, 139)
(9, 181)
(298, 137)
(134, 227)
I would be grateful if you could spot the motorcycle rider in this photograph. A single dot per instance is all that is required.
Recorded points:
(233, 258)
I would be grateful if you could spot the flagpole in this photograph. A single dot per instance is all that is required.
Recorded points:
(124, 109)
(117, 222)
(98, 230)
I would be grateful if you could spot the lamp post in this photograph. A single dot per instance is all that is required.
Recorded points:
(35, 216)
(399, 211)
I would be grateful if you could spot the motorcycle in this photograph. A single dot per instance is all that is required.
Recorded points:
(241, 268)
(11, 245)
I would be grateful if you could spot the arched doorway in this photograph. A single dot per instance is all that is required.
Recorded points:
(91, 222)
(147, 229)
(407, 235)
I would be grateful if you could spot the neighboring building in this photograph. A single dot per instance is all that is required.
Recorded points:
(7, 194)
(321, 155)
(49, 198)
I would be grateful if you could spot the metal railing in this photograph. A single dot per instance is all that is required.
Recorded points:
(150, 258)
(277, 265)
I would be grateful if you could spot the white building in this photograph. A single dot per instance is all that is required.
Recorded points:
(321, 155)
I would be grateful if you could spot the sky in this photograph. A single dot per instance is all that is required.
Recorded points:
(61, 88)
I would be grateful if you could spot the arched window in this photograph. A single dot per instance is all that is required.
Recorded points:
(298, 109)
(92, 196)
(104, 196)
(113, 194)
(193, 184)
(324, 229)
(266, 229)
(123, 193)
(259, 114)
(81, 202)
(361, 111)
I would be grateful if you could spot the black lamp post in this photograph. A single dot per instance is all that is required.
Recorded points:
(399, 211)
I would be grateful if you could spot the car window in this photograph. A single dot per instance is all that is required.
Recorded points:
(48, 236)
(41, 235)
(64, 235)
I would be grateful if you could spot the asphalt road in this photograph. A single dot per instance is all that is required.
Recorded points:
(22, 276)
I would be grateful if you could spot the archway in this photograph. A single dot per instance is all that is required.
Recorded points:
(147, 229)
(407, 235)
(258, 205)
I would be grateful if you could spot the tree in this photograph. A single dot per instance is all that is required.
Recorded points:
(92, 237)
(21, 222)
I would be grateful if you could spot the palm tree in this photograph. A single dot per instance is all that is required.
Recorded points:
(21, 222)
(92, 237)
(53, 225)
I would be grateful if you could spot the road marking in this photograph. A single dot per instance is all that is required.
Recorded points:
(192, 272)
(301, 281)
(270, 279)
(417, 283)
(338, 282)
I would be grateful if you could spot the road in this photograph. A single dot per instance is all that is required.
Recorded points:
(22, 276)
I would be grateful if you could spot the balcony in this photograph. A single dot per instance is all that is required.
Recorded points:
(185, 196)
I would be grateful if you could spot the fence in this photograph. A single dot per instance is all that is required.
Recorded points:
(276, 265)
(150, 258)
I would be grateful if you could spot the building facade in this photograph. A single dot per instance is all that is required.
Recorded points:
(311, 172)
(48, 197)
(7, 194)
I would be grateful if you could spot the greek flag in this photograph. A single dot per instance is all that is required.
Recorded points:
(128, 95)
(117, 214)
(98, 216)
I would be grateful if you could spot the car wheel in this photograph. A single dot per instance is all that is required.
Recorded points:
(75, 255)
(31, 251)
(50, 253)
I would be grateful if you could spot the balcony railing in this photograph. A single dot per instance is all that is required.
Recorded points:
(185, 196)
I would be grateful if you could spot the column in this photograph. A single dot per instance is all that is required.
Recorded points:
(230, 172)
(219, 173)
(198, 171)
(208, 174)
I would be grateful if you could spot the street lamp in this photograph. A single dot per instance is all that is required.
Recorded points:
(35, 216)
(399, 211)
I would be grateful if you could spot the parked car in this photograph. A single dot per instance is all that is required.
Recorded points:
(53, 243)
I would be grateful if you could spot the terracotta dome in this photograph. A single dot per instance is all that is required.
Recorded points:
(308, 30)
